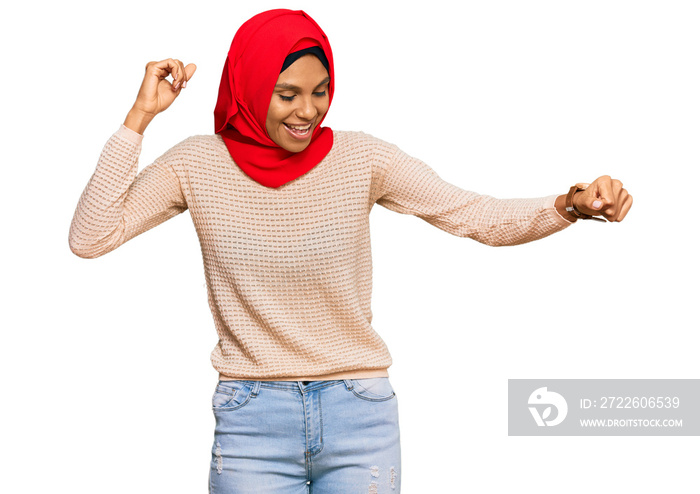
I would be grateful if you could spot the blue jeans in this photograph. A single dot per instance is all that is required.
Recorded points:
(339, 437)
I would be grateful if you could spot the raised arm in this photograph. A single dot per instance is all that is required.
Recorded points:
(116, 205)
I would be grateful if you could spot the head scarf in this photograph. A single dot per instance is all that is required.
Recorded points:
(254, 62)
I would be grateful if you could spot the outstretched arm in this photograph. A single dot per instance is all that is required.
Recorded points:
(409, 186)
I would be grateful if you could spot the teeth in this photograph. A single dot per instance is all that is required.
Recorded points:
(306, 128)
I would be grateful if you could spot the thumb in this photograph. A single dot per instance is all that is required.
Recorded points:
(597, 204)
(589, 201)
(190, 70)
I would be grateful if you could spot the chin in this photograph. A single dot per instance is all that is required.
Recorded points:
(296, 147)
(292, 145)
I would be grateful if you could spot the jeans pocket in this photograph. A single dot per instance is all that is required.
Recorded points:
(373, 389)
(231, 395)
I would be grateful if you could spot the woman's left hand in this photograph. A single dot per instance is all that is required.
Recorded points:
(606, 197)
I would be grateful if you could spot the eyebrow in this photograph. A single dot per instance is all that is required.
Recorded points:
(291, 87)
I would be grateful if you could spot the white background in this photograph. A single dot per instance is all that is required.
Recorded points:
(106, 379)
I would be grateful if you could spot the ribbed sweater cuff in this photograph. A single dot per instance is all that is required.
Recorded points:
(130, 135)
(549, 205)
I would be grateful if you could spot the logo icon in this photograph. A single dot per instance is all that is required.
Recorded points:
(545, 400)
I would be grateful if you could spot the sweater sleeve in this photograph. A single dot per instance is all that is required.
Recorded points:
(409, 186)
(118, 205)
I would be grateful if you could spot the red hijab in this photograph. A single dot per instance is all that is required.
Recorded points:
(250, 73)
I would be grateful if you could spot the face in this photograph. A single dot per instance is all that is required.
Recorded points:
(299, 102)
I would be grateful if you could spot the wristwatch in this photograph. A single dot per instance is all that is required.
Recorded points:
(569, 205)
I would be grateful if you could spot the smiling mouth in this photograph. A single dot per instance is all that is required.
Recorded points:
(299, 131)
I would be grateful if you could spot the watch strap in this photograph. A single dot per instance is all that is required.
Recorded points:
(569, 204)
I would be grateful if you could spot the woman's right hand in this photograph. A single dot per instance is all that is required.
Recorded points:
(156, 93)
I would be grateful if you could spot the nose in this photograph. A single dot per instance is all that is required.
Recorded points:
(306, 109)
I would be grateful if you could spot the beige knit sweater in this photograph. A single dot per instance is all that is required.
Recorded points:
(289, 270)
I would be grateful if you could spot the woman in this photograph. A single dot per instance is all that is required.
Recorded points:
(281, 207)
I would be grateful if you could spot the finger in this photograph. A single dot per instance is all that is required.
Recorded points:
(618, 198)
(178, 74)
(182, 75)
(163, 68)
(604, 190)
(589, 200)
(624, 209)
(156, 72)
(189, 72)
(607, 196)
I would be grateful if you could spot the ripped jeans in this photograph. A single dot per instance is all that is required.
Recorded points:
(320, 437)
